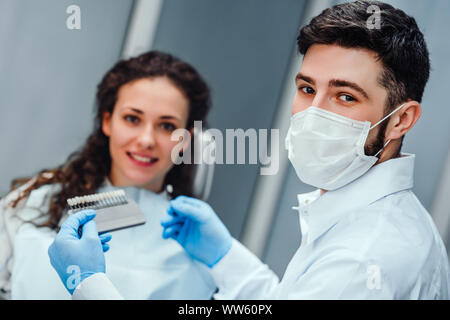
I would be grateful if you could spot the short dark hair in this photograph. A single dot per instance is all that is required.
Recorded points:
(399, 44)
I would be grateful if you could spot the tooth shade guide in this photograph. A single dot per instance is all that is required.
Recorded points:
(113, 210)
(97, 201)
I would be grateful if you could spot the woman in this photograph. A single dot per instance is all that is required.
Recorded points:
(140, 102)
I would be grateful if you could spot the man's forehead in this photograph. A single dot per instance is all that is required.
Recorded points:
(324, 63)
(329, 63)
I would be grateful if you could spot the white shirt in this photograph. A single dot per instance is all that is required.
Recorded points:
(371, 239)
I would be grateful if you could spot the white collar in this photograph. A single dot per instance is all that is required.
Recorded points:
(381, 180)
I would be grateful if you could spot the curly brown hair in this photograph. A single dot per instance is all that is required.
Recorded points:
(85, 170)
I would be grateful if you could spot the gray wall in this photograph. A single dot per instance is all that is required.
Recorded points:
(48, 78)
(429, 139)
(242, 48)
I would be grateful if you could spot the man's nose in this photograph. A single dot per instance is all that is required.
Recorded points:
(146, 138)
(321, 101)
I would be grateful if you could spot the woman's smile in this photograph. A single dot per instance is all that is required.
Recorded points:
(142, 160)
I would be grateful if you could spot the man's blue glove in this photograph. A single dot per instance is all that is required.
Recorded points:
(195, 225)
(76, 257)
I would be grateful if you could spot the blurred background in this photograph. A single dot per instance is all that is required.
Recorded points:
(246, 51)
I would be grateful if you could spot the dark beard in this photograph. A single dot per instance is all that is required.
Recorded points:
(372, 148)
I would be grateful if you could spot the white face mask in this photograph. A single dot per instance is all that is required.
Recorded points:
(327, 149)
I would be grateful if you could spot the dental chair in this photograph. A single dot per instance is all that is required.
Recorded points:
(203, 172)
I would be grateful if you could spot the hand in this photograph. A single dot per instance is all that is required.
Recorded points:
(195, 225)
(76, 257)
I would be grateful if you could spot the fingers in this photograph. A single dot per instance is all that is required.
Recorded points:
(193, 202)
(190, 207)
(89, 229)
(73, 222)
(172, 225)
(105, 237)
(171, 212)
(83, 221)
(105, 247)
(78, 219)
(168, 221)
(172, 231)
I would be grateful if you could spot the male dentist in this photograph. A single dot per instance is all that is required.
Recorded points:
(365, 235)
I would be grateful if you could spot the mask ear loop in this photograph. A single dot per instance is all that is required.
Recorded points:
(376, 154)
(390, 114)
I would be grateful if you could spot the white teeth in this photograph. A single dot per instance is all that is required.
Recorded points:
(139, 158)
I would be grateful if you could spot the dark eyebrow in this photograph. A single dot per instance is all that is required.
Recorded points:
(345, 83)
(136, 110)
(334, 83)
(169, 118)
(166, 117)
(304, 78)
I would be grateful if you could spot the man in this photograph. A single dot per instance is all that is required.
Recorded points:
(364, 233)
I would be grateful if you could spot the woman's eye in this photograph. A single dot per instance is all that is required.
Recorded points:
(346, 98)
(131, 119)
(307, 90)
(168, 126)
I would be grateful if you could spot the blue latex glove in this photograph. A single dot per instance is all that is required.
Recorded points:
(195, 225)
(76, 257)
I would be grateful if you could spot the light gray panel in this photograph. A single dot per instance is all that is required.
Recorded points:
(285, 237)
(48, 78)
(242, 47)
(430, 138)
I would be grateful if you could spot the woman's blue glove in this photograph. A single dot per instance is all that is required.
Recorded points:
(195, 225)
(76, 257)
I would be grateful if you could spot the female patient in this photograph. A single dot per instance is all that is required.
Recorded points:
(140, 102)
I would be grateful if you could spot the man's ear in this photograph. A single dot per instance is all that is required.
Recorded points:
(106, 123)
(403, 120)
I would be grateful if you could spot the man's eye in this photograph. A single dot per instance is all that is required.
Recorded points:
(131, 119)
(168, 126)
(307, 90)
(346, 98)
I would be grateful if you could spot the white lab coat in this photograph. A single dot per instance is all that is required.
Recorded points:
(371, 239)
